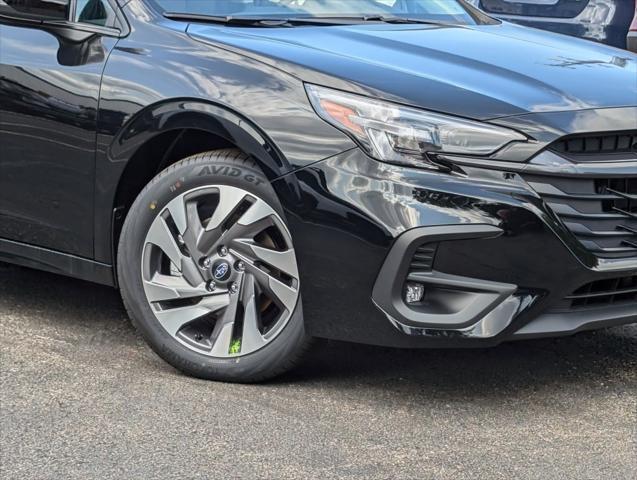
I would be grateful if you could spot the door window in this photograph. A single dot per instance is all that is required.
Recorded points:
(95, 12)
(47, 9)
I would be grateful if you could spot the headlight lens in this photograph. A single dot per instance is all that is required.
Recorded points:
(395, 133)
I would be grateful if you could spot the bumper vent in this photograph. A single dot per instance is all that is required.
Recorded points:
(593, 148)
(614, 291)
(423, 259)
(601, 213)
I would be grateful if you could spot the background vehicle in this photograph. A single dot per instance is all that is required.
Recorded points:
(604, 21)
(252, 174)
(632, 34)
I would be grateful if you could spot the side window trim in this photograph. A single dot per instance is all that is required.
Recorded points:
(121, 30)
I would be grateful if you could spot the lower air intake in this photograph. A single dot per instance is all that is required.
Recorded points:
(613, 291)
(423, 258)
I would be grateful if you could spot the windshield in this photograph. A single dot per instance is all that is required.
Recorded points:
(444, 11)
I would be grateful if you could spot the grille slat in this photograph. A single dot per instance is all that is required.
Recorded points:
(590, 146)
(582, 231)
(602, 294)
(423, 258)
(630, 229)
(625, 195)
(631, 243)
(600, 212)
(594, 247)
(565, 210)
(625, 212)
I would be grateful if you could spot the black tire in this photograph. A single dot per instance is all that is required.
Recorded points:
(223, 167)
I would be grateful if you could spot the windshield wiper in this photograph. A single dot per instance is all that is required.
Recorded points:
(386, 19)
(229, 20)
(261, 22)
(294, 21)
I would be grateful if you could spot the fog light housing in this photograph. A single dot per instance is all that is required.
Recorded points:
(414, 292)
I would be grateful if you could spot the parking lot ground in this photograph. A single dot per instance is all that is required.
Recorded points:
(83, 397)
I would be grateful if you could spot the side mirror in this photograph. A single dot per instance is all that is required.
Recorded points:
(74, 53)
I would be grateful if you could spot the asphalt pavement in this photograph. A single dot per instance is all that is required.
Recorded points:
(82, 396)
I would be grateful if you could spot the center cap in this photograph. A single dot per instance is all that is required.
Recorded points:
(221, 270)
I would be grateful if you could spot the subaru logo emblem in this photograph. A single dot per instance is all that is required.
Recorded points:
(221, 271)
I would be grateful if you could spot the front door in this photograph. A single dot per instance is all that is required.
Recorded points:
(51, 63)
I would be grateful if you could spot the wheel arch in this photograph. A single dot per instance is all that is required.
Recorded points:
(164, 133)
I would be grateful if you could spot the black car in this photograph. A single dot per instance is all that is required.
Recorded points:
(252, 174)
(605, 21)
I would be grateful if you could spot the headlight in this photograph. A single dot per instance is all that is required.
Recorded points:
(395, 133)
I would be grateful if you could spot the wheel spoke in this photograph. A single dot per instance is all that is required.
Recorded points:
(222, 332)
(221, 345)
(186, 219)
(177, 210)
(175, 318)
(165, 287)
(282, 293)
(278, 291)
(161, 236)
(256, 219)
(229, 200)
(239, 231)
(252, 339)
(258, 211)
(211, 238)
(284, 261)
(193, 231)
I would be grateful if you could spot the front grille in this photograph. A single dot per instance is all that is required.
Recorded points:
(600, 212)
(596, 146)
(614, 291)
(423, 258)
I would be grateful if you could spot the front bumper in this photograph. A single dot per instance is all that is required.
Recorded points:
(456, 306)
(505, 266)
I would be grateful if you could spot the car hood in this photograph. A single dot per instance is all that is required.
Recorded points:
(481, 72)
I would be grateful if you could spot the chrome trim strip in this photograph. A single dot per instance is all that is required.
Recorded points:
(548, 162)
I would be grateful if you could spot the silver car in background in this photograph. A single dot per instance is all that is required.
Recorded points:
(606, 21)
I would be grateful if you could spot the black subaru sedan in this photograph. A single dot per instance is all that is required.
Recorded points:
(252, 174)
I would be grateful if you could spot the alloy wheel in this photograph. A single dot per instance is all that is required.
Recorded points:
(219, 271)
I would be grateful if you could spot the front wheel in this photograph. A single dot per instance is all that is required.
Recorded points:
(208, 272)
